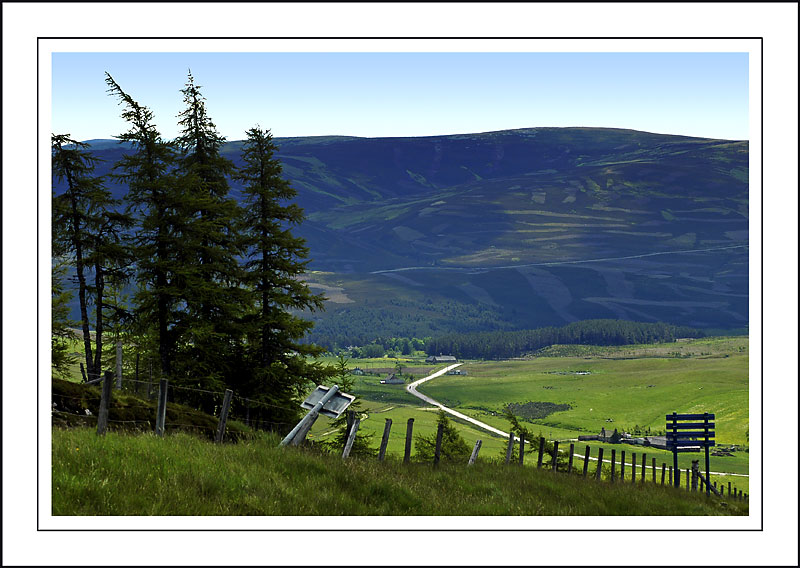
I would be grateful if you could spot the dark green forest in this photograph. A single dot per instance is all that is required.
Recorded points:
(504, 344)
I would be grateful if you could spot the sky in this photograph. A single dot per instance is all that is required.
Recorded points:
(410, 94)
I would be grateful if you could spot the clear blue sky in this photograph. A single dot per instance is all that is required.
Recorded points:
(410, 94)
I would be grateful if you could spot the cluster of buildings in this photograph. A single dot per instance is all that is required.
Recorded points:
(617, 437)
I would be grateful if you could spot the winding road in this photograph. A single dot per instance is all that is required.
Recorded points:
(412, 389)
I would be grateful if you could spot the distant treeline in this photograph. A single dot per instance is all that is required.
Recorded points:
(504, 344)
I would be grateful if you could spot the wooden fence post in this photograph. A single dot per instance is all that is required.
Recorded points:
(150, 380)
(385, 440)
(475, 451)
(521, 448)
(688, 479)
(351, 418)
(670, 475)
(510, 447)
(644, 467)
(136, 375)
(350, 439)
(437, 453)
(622, 466)
(541, 452)
(613, 464)
(571, 452)
(555, 455)
(633, 467)
(654, 470)
(729, 489)
(409, 430)
(586, 462)
(223, 416)
(695, 470)
(119, 364)
(161, 412)
(598, 472)
(105, 399)
(663, 472)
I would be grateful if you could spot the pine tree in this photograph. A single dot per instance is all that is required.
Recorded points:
(454, 448)
(154, 196)
(275, 261)
(213, 297)
(61, 324)
(87, 227)
(362, 444)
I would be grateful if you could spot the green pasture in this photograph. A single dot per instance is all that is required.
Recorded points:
(622, 394)
(634, 386)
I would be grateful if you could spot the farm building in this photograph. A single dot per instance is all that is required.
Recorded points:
(456, 372)
(659, 442)
(608, 436)
(392, 379)
(357, 371)
(441, 359)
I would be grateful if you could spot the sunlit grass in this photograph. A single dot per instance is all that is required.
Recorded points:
(184, 475)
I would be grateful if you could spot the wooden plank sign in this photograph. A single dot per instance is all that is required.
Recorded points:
(685, 434)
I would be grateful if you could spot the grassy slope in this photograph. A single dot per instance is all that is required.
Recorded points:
(618, 388)
(183, 475)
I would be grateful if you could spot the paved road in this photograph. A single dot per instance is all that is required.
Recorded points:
(412, 389)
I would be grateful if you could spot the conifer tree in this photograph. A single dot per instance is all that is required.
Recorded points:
(454, 448)
(87, 228)
(154, 196)
(362, 444)
(214, 299)
(275, 262)
(61, 324)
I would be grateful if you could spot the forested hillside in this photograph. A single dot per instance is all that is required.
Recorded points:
(498, 345)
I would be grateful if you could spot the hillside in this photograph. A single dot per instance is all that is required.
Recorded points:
(518, 229)
(185, 475)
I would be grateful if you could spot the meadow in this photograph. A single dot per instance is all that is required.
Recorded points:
(181, 474)
(634, 387)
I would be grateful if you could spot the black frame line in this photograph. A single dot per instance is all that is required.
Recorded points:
(38, 188)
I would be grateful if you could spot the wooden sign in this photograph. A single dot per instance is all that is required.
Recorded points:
(690, 433)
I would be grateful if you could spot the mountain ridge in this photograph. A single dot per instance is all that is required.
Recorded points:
(548, 226)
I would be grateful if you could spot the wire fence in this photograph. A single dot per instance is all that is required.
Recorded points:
(188, 408)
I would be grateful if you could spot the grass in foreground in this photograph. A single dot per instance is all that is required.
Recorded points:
(124, 474)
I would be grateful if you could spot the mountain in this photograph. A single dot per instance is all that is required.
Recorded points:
(517, 229)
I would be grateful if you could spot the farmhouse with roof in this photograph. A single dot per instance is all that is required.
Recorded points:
(607, 436)
(392, 379)
(441, 359)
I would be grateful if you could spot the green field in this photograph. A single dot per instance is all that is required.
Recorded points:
(180, 474)
(634, 386)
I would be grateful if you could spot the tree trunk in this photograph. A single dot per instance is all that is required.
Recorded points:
(78, 245)
(99, 280)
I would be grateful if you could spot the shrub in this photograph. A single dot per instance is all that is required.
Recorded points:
(454, 447)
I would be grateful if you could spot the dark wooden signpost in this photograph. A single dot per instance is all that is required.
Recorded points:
(689, 433)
